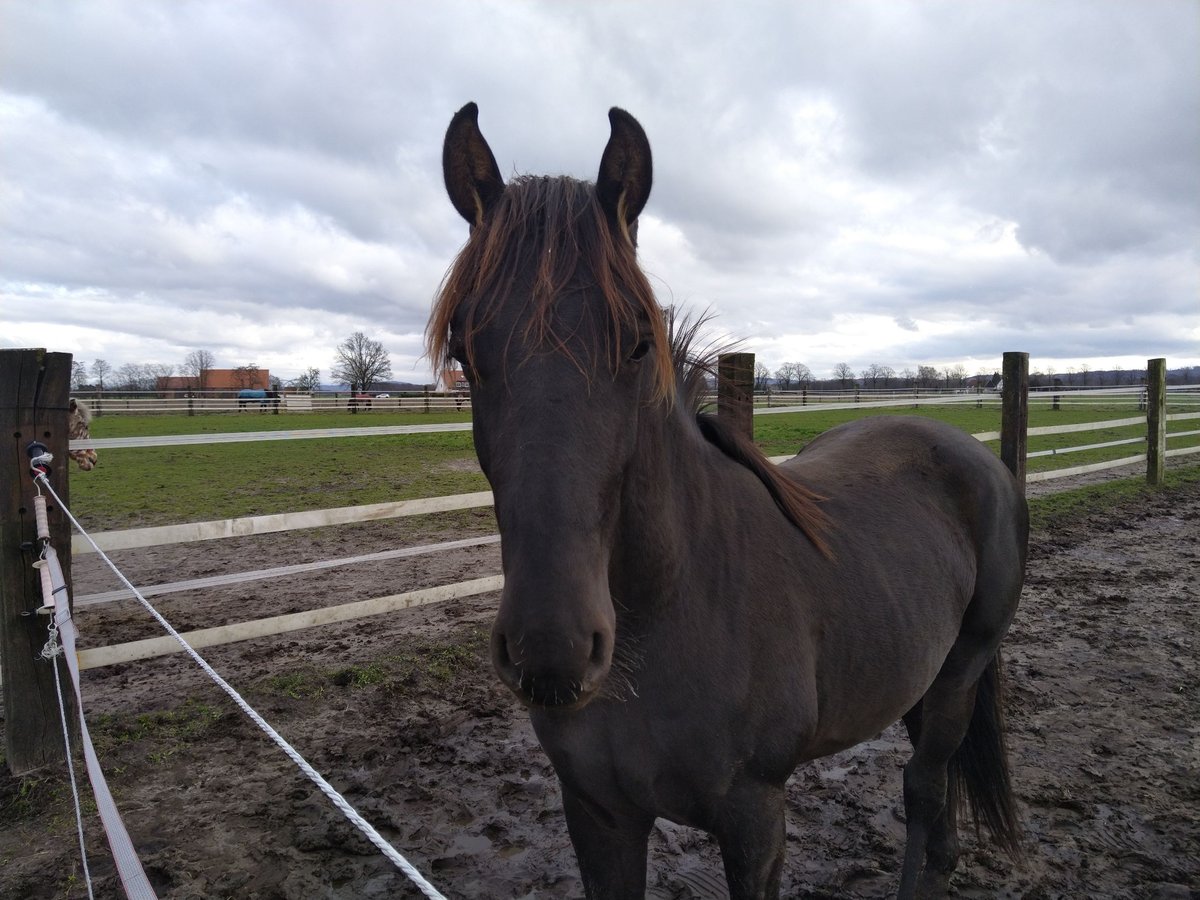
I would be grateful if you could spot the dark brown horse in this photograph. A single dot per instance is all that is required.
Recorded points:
(686, 622)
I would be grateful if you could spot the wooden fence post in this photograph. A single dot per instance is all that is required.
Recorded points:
(1014, 414)
(34, 396)
(735, 391)
(1156, 420)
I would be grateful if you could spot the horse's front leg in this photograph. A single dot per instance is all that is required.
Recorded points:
(610, 848)
(752, 836)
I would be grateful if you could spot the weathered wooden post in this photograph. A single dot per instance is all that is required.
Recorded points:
(34, 396)
(735, 391)
(1014, 413)
(1156, 420)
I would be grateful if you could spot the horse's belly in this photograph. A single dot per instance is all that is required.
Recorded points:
(875, 666)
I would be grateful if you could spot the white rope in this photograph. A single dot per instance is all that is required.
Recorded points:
(326, 788)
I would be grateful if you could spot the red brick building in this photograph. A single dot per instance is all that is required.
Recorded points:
(215, 380)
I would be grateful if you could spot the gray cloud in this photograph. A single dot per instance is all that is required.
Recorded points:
(893, 183)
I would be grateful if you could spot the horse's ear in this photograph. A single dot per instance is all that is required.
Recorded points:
(626, 172)
(473, 179)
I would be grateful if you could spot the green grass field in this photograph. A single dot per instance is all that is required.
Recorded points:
(163, 485)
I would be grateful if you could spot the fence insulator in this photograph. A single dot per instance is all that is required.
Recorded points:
(43, 521)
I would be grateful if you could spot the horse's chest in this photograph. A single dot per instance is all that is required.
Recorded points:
(668, 756)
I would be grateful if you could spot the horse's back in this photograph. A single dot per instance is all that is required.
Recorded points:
(883, 456)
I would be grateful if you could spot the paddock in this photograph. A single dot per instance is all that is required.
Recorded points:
(404, 715)
(408, 701)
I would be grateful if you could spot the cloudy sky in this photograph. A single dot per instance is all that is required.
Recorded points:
(864, 182)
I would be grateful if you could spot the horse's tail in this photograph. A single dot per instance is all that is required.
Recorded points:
(979, 768)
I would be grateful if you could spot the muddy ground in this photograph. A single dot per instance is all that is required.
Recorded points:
(404, 716)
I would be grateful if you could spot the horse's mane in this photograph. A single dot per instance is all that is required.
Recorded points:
(694, 366)
(553, 230)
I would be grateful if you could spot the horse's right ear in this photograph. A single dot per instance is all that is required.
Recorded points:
(473, 179)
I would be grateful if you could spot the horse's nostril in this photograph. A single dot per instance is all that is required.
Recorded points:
(500, 651)
(599, 656)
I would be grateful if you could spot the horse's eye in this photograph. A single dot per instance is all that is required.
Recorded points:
(642, 348)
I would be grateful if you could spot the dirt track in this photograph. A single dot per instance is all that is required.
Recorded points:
(405, 717)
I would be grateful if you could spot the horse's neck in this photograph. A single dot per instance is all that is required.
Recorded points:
(683, 502)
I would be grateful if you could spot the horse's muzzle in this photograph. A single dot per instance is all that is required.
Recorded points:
(552, 672)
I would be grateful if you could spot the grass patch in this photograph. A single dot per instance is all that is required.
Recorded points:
(30, 796)
(425, 663)
(296, 685)
(164, 485)
(140, 487)
(165, 731)
(121, 425)
(1054, 511)
(361, 676)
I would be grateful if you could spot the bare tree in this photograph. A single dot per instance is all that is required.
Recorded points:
(843, 373)
(785, 375)
(159, 373)
(128, 377)
(248, 376)
(78, 375)
(761, 374)
(954, 375)
(361, 362)
(309, 381)
(196, 365)
(100, 368)
(876, 373)
(927, 376)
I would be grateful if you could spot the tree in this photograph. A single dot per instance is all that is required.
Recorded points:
(100, 368)
(876, 373)
(78, 375)
(761, 374)
(308, 382)
(159, 372)
(247, 376)
(361, 362)
(132, 377)
(785, 375)
(196, 365)
(927, 376)
(803, 375)
(954, 375)
(844, 374)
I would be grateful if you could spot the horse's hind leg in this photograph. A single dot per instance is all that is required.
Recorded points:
(931, 851)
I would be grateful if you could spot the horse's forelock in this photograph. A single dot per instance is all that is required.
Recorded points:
(553, 233)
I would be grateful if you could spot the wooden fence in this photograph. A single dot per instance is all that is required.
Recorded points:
(25, 700)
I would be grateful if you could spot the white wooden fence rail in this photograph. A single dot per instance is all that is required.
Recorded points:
(145, 537)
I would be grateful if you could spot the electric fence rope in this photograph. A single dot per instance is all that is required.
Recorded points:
(313, 775)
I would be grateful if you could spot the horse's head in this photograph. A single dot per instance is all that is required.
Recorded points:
(560, 337)
(79, 419)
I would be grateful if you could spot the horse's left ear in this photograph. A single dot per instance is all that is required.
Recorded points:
(626, 173)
